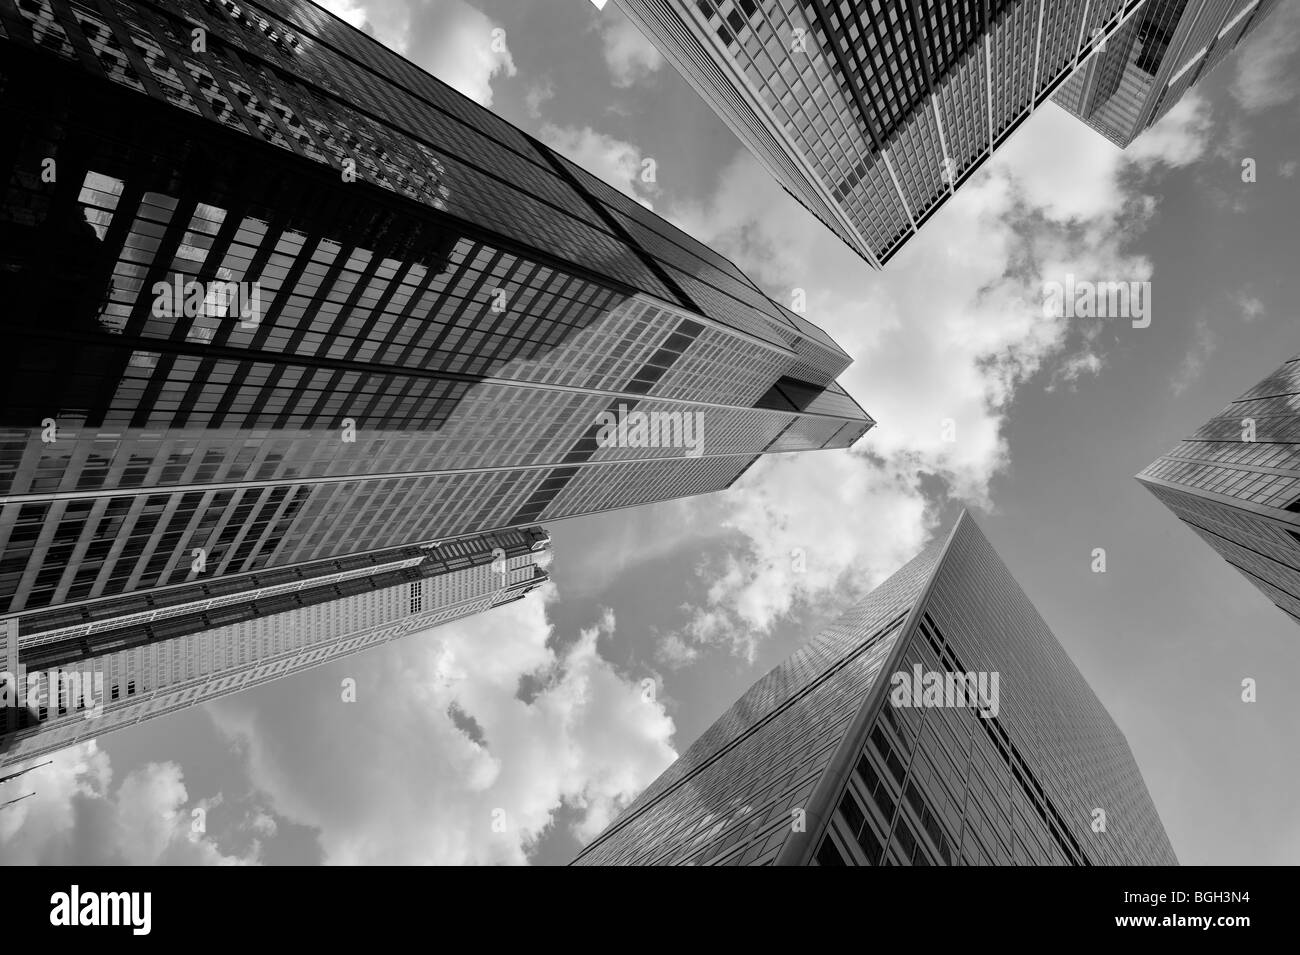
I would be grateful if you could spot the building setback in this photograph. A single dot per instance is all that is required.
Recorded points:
(1154, 59)
(1236, 483)
(73, 676)
(820, 762)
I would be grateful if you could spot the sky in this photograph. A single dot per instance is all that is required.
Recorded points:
(515, 736)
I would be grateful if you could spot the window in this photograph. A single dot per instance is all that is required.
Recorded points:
(828, 854)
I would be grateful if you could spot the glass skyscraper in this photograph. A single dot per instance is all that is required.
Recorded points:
(838, 757)
(1236, 483)
(73, 677)
(1154, 59)
(410, 319)
(279, 305)
(871, 113)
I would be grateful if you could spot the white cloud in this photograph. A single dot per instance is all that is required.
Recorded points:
(396, 778)
(1251, 307)
(810, 524)
(630, 57)
(451, 39)
(353, 11)
(540, 92)
(1199, 351)
(1264, 67)
(77, 816)
(949, 332)
(1178, 140)
(619, 163)
(674, 652)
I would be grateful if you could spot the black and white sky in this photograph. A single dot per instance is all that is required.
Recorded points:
(515, 736)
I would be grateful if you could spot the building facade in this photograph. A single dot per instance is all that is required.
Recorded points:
(838, 757)
(1236, 483)
(871, 113)
(289, 321)
(74, 674)
(1155, 58)
(275, 296)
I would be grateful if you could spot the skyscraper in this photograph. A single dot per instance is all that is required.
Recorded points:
(871, 114)
(1236, 483)
(77, 673)
(938, 722)
(282, 312)
(274, 296)
(1154, 59)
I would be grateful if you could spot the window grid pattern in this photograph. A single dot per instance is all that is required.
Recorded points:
(1012, 51)
(866, 83)
(168, 675)
(963, 109)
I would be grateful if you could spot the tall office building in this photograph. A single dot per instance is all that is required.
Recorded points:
(871, 114)
(276, 296)
(74, 674)
(1154, 59)
(865, 747)
(287, 320)
(1236, 483)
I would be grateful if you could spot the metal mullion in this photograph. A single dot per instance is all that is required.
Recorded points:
(380, 307)
(505, 339)
(126, 41)
(348, 305)
(168, 244)
(819, 8)
(466, 302)
(72, 27)
(435, 309)
(400, 320)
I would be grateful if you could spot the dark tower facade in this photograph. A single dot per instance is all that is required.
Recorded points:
(276, 296)
(829, 760)
(1236, 483)
(280, 307)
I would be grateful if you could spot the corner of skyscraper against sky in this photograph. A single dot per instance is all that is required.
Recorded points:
(429, 389)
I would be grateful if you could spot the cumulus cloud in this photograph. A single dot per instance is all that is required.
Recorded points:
(1264, 68)
(79, 817)
(944, 339)
(1251, 307)
(834, 525)
(490, 726)
(630, 57)
(539, 93)
(1199, 351)
(454, 41)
